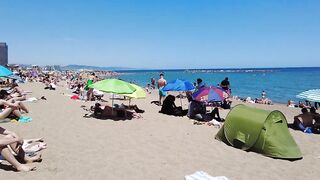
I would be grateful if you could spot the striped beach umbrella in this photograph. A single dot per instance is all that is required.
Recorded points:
(310, 95)
(209, 94)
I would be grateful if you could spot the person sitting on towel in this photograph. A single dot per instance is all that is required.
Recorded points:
(304, 121)
(11, 143)
(197, 111)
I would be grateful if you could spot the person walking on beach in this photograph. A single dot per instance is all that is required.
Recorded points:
(161, 83)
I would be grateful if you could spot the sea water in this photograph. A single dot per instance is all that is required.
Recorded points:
(280, 84)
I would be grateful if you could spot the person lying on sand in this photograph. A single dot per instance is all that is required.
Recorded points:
(12, 109)
(104, 110)
(264, 101)
(11, 143)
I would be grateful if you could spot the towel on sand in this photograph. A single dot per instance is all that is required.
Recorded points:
(31, 99)
(201, 175)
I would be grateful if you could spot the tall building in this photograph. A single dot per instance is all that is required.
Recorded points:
(3, 54)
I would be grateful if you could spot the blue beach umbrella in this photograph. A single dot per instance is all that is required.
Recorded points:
(4, 71)
(310, 95)
(178, 85)
(16, 77)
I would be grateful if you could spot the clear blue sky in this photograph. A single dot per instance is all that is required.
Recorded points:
(162, 33)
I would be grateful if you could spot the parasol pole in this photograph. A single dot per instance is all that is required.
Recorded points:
(112, 103)
(180, 98)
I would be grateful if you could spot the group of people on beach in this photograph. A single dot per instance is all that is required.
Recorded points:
(19, 152)
(197, 110)
(307, 121)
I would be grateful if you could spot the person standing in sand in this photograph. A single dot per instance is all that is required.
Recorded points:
(161, 83)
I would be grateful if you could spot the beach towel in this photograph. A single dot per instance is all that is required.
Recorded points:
(75, 97)
(25, 119)
(201, 175)
(30, 148)
(31, 99)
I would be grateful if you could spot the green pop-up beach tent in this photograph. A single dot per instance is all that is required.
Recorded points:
(261, 131)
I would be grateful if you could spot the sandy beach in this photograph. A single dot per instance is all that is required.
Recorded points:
(155, 147)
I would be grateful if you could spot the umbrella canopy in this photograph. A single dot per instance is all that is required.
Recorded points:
(138, 94)
(115, 86)
(209, 94)
(4, 71)
(178, 85)
(16, 77)
(310, 95)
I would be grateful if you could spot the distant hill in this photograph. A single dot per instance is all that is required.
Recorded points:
(76, 67)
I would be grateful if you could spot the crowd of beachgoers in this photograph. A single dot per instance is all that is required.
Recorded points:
(21, 153)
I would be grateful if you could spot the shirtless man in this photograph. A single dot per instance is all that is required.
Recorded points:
(304, 121)
(161, 83)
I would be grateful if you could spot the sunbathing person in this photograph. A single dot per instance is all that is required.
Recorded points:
(133, 107)
(304, 121)
(13, 103)
(316, 118)
(264, 101)
(105, 111)
(170, 108)
(17, 93)
(197, 111)
(10, 144)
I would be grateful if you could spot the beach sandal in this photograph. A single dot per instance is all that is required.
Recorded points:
(198, 123)
(43, 98)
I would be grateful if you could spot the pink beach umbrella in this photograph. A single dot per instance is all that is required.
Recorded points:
(209, 94)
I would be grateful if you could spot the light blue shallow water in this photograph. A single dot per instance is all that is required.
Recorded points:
(280, 84)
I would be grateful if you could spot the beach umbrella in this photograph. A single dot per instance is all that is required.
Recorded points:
(209, 94)
(4, 71)
(114, 86)
(178, 85)
(138, 94)
(15, 77)
(310, 95)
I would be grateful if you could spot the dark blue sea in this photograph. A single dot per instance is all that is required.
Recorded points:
(280, 84)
